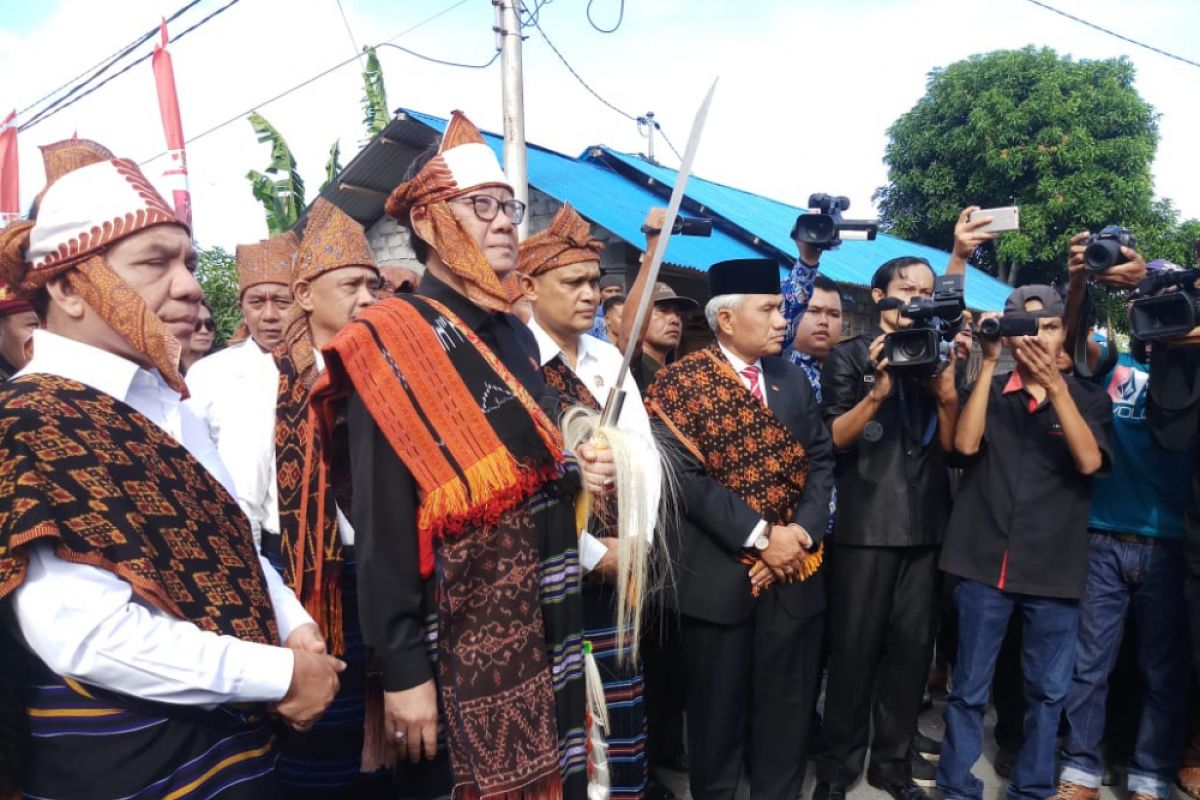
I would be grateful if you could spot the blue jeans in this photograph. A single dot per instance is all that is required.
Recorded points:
(1147, 575)
(1049, 629)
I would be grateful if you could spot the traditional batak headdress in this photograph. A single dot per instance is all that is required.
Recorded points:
(567, 241)
(332, 240)
(82, 213)
(463, 163)
(269, 261)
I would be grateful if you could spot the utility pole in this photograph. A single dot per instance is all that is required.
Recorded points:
(508, 32)
(650, 135)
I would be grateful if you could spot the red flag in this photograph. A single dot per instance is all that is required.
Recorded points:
(168, 104)
(10, 197)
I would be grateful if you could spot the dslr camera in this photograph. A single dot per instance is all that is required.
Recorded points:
(1164, 304)
(1104, 248)
(824, 227)
(922, 348)
(1009, 325)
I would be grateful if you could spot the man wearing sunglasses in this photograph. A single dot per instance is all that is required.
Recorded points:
(455, 462)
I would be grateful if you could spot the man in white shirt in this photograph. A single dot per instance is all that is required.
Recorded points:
(150, 629)
(234, 390)
(560, 271)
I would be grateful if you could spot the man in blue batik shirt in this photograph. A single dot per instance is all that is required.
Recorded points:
(611, 285)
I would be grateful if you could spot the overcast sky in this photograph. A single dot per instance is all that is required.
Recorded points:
(808, 88)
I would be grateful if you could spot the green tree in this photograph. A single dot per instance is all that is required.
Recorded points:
(218, 277)
(1070, 142)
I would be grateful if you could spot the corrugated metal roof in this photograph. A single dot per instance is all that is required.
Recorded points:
(611, 201)
(615, 190)
(771, 221)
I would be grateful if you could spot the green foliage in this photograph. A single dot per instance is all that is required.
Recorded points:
(333, 166)
(1070, 142)
(281, 189)
(376, 113)
(218, 277)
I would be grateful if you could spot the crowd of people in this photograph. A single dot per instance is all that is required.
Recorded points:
(409, 535)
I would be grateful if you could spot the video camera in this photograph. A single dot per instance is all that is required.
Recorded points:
(923, 347)
(1009, 325)
(824, 227)
(1165, 304)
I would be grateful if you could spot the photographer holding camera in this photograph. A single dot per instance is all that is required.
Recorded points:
(1018, 538)
(891, 429)
(1135, 569)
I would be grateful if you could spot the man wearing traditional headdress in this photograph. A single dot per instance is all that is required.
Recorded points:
(150, 626)
(18, 321)
(757, 473)
(222, 385)
(463, 499)
(334, 279)
(560, 270)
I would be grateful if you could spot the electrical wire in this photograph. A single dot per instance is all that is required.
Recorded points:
(423, 57)
(55, 107)
(613, 29)
(639, 121)
(428, 20)
(1122, 37)
(242, 115)
(538, 27)
(349, 32)
(105, 63)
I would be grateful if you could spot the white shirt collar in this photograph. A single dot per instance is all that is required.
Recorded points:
(548, 348)
(69, 358)
(738, 364)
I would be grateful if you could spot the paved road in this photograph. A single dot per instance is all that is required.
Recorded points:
(931, 725)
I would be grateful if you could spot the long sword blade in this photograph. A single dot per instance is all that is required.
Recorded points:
(685, 168)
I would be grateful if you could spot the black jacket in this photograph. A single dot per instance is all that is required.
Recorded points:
(394, 603)
(710, 583)
(895, 491)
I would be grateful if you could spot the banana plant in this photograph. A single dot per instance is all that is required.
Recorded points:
(280, 189)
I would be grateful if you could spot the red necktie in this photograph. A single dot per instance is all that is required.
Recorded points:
(750, 373)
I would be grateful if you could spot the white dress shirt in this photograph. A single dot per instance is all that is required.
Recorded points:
(596, 365)
(85, 622)
(235, 392)
(738, 366)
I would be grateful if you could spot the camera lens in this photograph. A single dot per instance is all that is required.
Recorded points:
(912, 348)
(1101, 255)
(989, 327)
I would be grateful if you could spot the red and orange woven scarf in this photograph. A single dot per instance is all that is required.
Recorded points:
(475, 441)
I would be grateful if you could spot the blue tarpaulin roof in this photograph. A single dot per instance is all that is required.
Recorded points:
(613, 190)
(771, 222)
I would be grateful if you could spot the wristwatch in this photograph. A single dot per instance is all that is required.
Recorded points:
(763, 541)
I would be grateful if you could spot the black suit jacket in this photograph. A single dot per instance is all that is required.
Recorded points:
(710, 583)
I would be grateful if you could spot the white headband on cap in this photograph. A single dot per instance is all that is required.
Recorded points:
(92, 207)
(474, 164)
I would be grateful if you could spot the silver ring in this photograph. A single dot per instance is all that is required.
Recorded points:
(401, 736)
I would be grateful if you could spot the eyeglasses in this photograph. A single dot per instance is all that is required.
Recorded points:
(206, 324)
(487, 207)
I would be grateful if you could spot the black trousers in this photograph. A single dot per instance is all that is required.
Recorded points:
(662, 665)
(749, 692)
(882, 603)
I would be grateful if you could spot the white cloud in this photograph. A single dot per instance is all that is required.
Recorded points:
(807, 89)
